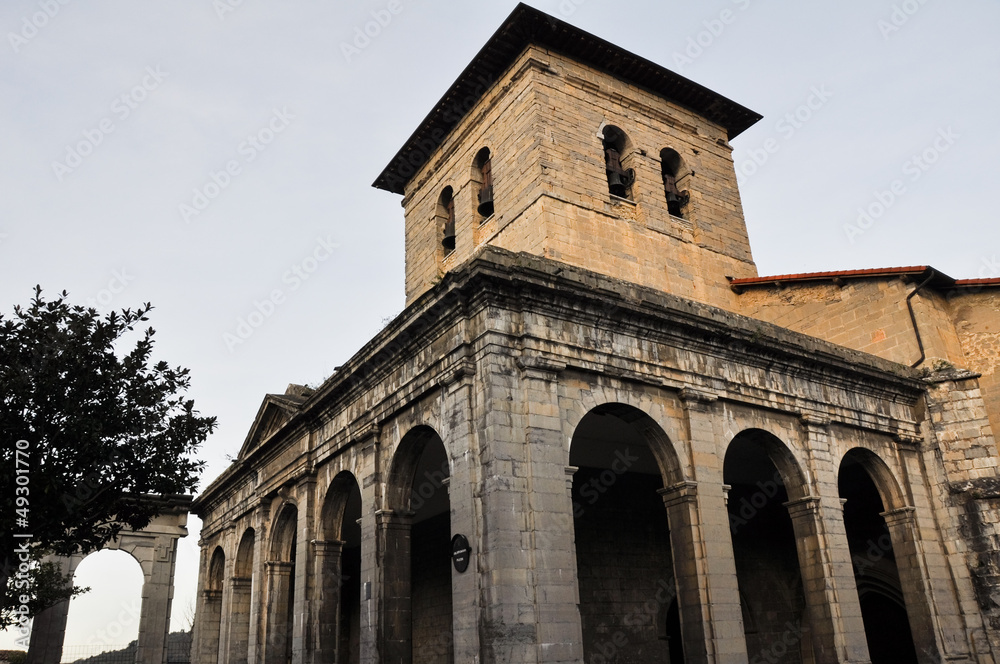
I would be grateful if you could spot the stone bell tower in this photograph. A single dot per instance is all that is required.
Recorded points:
(562, 145)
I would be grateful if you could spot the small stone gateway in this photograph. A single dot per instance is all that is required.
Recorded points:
(596, 434)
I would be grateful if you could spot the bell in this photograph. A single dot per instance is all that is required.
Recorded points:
(485, 202)
(615, 184)
(449, 235)
(675, 201)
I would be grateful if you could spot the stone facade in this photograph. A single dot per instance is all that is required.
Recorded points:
(643, 472)
(155, 549)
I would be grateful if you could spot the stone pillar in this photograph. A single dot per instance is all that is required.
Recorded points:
(704, 565)
(464, 502)
(828, 583)
(258, 597)
(915, 584)
(277, 630)
(329, 581)
(157, 595)
(824, 588)
(395, 621)
(210, 626)
(239, 620)
(49, 627)
(549, 559)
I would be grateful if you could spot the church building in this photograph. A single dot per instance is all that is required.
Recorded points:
(595, 434)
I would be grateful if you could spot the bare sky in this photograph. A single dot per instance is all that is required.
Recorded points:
(201, 155)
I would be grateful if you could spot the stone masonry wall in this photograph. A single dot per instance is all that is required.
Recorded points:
(542, 122)
(869, 315)
(977, 320)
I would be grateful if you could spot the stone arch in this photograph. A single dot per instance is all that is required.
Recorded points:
(217, 570)
(648, 410)
(154, 547)
(765, 483)
(241, 588)
(95, 611)
(338, 567)
(870, 494)
(281, 574)
(878, 470)
(211, 620)
(415, 535)
(790, 469)
(621, 461)
(243, 567)
(283, 532)
(334, 504)
(660, 445)
(404, 466)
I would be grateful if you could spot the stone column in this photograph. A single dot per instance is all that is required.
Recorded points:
(48, 629)
(277, 630)
(823, 589)
(463, 499)
(828, 583)
(239, 620)
(549, 560)
(329, 583)
(395, 622)
(157, 594)
(915, 584)
(210, 625)
(704, 565)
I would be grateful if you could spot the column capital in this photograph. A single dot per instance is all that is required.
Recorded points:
(812, 421)
(692, 396)
(240, 582)
(539, 367)
(682, 492)
(807, 506)
(908, 440)
(366, 433)
(464, 369)
(212, 595)
(902, 516)
(326, 547)
(279, 566)
(393, 518)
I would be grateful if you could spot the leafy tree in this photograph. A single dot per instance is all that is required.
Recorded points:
(103, 427)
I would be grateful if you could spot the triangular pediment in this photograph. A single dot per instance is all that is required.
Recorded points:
(274, 413)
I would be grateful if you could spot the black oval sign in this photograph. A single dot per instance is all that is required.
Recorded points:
(460, 552)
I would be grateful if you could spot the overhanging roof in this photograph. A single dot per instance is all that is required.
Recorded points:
(525, 26)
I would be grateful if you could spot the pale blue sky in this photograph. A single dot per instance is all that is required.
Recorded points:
(197, 84)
